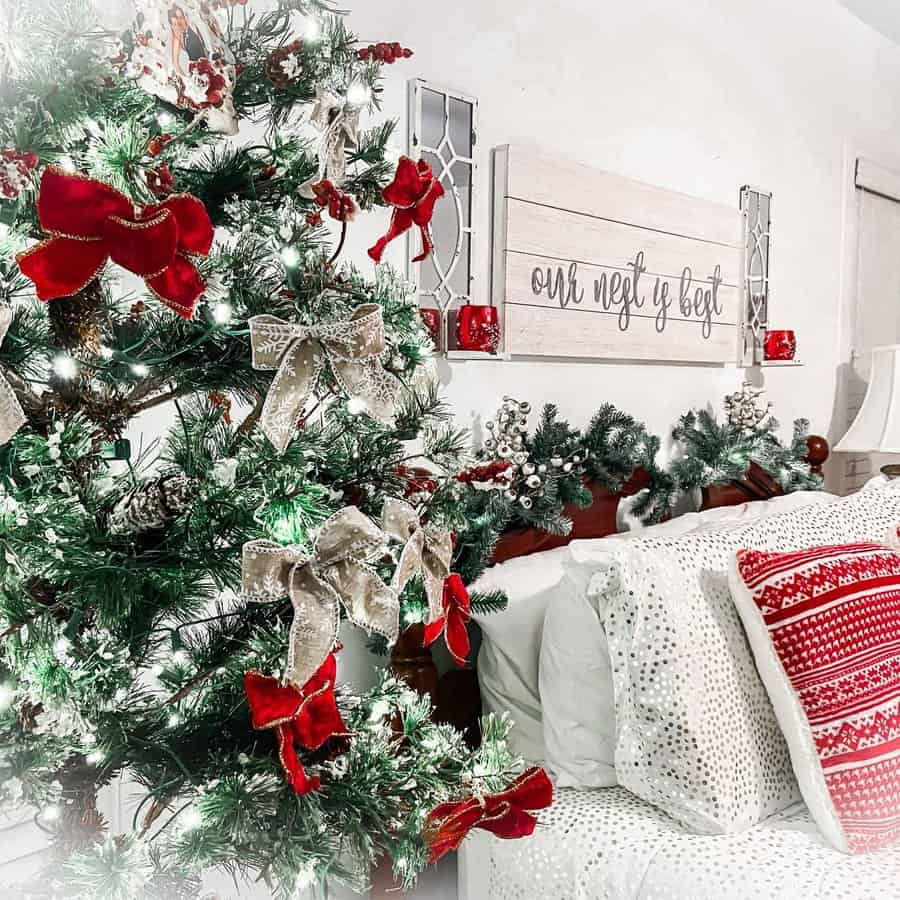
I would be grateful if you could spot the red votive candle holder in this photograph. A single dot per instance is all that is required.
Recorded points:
(780, 345)
(432, 320)
(478, 328)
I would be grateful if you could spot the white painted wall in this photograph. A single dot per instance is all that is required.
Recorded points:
(700, 97)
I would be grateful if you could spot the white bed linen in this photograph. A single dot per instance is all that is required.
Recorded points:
(606, 844)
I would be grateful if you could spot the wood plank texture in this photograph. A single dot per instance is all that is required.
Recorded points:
(593, 265)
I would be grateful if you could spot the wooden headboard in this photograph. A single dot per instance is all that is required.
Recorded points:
(456, 695)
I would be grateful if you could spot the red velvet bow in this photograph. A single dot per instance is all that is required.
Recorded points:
(505, 814)
(412, 193)
(91, 222)
(457, 612)
(309, 717)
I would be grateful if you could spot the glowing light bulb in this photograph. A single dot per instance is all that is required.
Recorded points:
(106, 352)
(358, 94)
(140, 370)
(51, 813)
(66, 163)
(355, 406)
(290, 256)
(65, 367)
(94, 758)
(165, 119)
(6, 695)
(180, 658)
(174, 720)
(222, 313)
(61, 648)
(191, 818)
(313, 30)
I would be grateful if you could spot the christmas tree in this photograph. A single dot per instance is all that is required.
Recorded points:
(170, 612)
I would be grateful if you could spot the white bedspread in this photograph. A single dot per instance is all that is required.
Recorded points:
(606, 844)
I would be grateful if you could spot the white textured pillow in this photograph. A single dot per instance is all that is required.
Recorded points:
(696, 733)
(511, 641)
(576, 686)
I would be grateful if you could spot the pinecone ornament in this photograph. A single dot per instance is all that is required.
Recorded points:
(152, 505)
(81, 823)
(283, 65)
(77, 321)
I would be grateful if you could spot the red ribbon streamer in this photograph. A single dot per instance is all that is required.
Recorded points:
(457, 612)
(307, 717)
(412, 193)
(91, 222)
(505, 815)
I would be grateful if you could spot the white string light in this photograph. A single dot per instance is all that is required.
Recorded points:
(358, 94)
(106, 352)
(65, 367)
(51, 813)
(66, 163)
(165, 119)
(174, 720)
(94, 758)
(290, 256)
(6, 696)
(313, 30)
(356, 406)
(140, 370)
(222, 313)
(191, 818)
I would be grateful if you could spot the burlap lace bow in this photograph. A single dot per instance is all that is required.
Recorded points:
(299, 353)
(335, 573)
(12, 418)
(428, 552)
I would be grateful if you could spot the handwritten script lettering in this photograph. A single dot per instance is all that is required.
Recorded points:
(623, 293)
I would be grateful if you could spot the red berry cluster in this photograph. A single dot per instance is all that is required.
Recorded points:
(340, 205)
(157, 144)
(15, 167)
(418, 481)
(493, 473)
(223, 401)
(160, 180)
(384, 52)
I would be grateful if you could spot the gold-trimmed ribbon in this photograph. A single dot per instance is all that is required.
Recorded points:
(336, 573)
(12, 417)
(299, 353)
(427, 551)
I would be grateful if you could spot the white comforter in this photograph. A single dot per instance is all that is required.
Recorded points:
(606, 844)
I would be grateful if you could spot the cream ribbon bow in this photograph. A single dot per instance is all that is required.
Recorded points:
(299, 353)
(12, 417)
(336, 572)
(428, 551)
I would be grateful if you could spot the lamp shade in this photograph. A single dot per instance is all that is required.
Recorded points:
(876, 428)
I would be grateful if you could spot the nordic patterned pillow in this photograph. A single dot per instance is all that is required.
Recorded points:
(824, 625)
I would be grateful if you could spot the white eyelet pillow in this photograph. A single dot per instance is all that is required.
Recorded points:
(695, 731)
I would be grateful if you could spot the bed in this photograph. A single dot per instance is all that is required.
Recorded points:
(602, 842)
(605, 844)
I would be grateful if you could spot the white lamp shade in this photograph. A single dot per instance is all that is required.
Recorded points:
(876, 428)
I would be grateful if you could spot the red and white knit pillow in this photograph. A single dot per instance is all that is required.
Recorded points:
(824, 626)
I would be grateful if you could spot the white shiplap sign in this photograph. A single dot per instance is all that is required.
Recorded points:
(593, 265)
